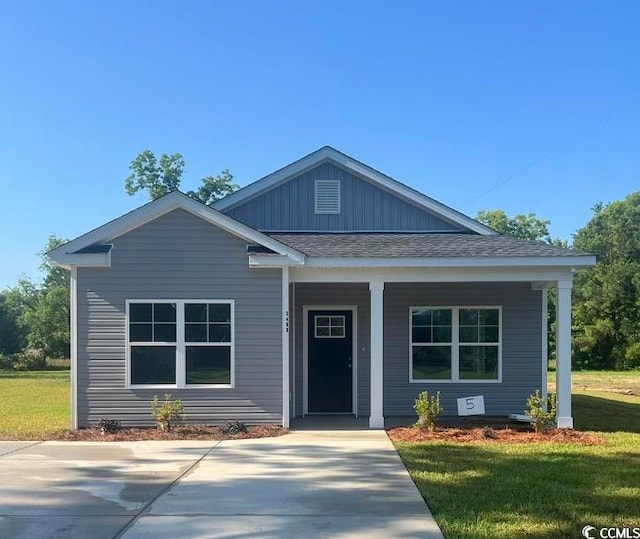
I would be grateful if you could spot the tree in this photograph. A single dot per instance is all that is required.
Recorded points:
(160, 177)
(48, 318)
(38, 313)
(607, 312)
(13, 335)
(528, 227)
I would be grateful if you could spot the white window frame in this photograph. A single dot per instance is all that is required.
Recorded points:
(330, 326)
(181, 345)
(317, 185)
(455, 346)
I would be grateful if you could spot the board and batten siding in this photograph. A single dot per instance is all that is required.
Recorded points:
(179, 256)
(334, 295)
(521, 345)
(363, 207)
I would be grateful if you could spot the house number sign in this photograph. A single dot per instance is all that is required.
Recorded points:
(471, 405)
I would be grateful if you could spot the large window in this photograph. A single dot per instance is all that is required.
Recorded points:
(455, 344)
(182, 343)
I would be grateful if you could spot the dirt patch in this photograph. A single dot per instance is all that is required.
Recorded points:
(505, 435)
(187, 432)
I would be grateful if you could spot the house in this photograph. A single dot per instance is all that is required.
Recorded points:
(326, 287)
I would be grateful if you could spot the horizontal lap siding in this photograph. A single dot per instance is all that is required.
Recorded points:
(335, 294)
(179, 256)
(521, 344)
(290, 207)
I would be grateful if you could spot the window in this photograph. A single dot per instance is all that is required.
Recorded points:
(455, 344)
(180, 343)
(329, 327)
(327, 196)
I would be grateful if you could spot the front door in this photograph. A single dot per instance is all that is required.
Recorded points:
(330, 365)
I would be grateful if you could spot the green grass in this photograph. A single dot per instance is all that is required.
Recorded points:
(602, 381)
(541, 489)
(35, 404)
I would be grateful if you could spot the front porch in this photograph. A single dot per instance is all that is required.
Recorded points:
(377, 379)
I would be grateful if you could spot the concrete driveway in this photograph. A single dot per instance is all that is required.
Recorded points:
(306, 484)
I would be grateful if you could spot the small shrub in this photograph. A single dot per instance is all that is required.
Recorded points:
(109, 426)
(487, 432)
(167, 413)
(632, 357)
(29, 360)
(231, 428)
(428, 410)
(541, 411)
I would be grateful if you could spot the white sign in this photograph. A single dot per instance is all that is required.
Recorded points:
(471, 405)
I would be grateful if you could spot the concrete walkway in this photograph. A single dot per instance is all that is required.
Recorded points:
(309, 484)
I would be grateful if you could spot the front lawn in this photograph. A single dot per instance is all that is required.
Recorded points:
(545, 489)
(35, 404)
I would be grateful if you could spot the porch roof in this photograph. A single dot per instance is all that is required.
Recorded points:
(391, 245)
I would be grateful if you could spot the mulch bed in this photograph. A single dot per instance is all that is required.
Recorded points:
(487, 434)
(186, 432)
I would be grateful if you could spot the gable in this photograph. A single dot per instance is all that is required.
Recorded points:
(87, 250)
(362, 206)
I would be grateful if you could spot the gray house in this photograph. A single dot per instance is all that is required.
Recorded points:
(326, 287)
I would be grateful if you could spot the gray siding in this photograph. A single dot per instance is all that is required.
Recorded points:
(365, 207)
(335, 294)
(179, 256)
(521, 348)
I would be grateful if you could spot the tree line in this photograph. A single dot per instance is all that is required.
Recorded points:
(34, 316)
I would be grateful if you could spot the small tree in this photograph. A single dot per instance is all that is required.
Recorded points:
(428, 410)
(167, 413)
(542, 411)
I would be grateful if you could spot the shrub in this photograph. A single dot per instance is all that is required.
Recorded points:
(167, 413)
(109, 426)
(232, 428)
(428, 410)
(632, 356)
(541, 411)
(29, 360)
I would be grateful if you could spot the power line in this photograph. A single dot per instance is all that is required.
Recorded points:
(540, 158)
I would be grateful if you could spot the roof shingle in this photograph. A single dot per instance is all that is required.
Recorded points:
(418, 245)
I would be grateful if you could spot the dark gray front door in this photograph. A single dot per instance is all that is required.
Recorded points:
(330, 364)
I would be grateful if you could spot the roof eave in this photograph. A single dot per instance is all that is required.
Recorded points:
(573, 262)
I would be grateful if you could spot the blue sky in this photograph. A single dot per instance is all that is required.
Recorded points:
(524, 106)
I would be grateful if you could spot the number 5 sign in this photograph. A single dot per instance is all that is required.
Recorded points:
(471, 405)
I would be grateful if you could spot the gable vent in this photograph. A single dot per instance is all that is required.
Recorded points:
(327, 196)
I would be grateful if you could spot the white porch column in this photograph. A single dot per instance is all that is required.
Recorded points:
(376, 416)
(285, 348)
(545, 341)
(563, 354)
(74, 345)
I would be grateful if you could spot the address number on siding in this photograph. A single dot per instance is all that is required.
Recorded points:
(471, 405)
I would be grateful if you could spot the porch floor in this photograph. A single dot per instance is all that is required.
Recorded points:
(350, 422)
(330, 422)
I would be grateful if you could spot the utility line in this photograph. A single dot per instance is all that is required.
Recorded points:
(540, 158)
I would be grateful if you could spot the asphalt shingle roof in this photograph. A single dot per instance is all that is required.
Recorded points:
(418, 245)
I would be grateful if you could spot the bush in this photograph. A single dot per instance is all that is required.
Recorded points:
(428, 410)
(167, 413)
(541, 411)
(29, 360)
(632, 356)
(232, 428)
(109, 426)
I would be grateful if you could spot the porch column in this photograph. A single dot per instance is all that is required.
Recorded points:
(545, 340)
(285, 348)
(376, 416)
(563, 354)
